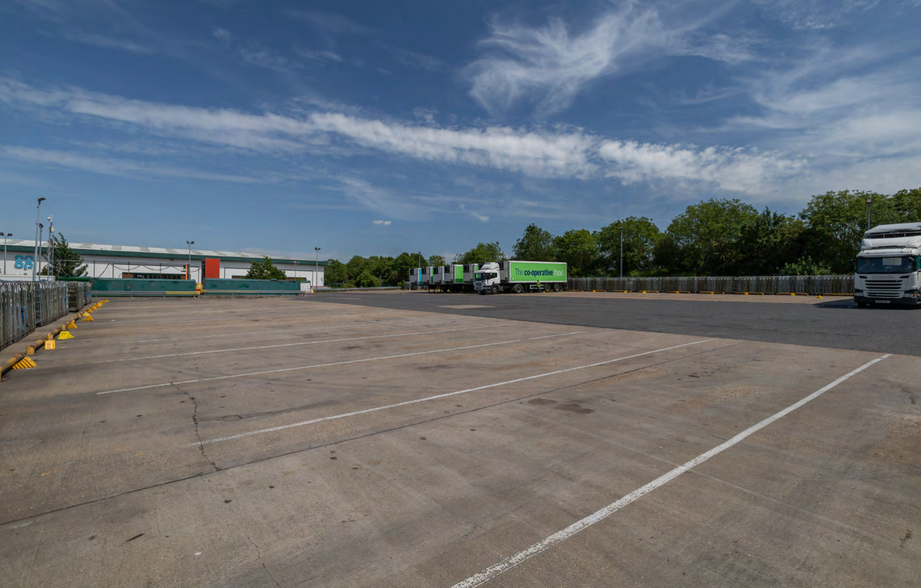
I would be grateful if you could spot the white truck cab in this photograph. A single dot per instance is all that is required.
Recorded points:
(888, 268)
(486, 279)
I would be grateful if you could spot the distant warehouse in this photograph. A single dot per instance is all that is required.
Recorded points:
(129, 261)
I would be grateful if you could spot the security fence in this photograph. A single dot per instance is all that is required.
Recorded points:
(815, 285)
(24, 306)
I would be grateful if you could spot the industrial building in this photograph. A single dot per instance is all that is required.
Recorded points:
(130, 261)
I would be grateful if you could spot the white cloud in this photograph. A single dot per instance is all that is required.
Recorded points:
(558, 153)
(384, 223)
(815, 14)
(320, 56)
(736, 170)
(107, 42)
(549, 66)
(112, 167)
(221, 34)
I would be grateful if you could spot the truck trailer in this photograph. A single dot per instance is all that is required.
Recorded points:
(888, 267)
(520, 276)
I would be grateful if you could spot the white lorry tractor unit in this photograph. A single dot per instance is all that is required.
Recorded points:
(888, 268)
(520, 276)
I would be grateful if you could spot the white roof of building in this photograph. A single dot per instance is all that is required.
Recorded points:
(121, 250)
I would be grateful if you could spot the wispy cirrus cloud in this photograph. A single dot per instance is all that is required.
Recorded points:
(113, 167)
(733, 169)
(549, 66)
(539, 153)
(382, 223)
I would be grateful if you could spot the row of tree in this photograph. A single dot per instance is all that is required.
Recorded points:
(728, 237)
(712, 237)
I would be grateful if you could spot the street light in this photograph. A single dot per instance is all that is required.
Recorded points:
(5, 235)
(621, 250)
(51, 245)
(316, 262)
(188, 274)
(38, 213)
(869, 202)
(41, 228)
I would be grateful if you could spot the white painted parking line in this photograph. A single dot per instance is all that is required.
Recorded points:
(322, 327)
(436, 397)
(307, 367)
(282, 345)
(509, 563)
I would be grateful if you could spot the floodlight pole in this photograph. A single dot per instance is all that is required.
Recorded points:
(5, 235)
(316, 263)
(188, 275)
(38, 213)
(621, 250)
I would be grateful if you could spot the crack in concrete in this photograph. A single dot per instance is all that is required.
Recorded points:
(261, 561)
(201, 446)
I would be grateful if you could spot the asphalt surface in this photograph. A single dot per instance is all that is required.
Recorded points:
(832, 322)
(337, 442)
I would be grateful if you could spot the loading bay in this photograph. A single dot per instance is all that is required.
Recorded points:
(412, 439)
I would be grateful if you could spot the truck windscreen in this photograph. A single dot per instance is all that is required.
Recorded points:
(484, 276)
(885, 265)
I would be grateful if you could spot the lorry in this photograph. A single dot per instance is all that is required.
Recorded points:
(520, 276)
(888, 266)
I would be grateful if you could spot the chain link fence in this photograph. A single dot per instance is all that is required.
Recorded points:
(814, 285)
(25, 306)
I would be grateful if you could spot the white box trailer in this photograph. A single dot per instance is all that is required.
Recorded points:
(521, 276)
(415, 278)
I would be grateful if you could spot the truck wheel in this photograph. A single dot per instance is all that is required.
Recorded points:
(495, 289)
(518, 289)
(556, 287)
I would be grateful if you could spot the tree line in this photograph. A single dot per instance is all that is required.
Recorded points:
(716, 237)
(728, 237)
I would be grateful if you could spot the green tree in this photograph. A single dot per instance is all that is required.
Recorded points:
(380, 267)
(535, 244)
(335, 273)
(264, 269)
(67, 262)
(704, 240)
(482, 253)
(579, 249)
(436, 260)
(356, 266)
(640, 238)
(402, 264)
(769, 242)
(805, 266)
(836, 222)
(906, 206)
(366, 280)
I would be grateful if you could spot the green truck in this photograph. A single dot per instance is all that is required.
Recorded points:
(520, 276)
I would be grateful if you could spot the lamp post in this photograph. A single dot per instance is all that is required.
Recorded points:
(5, 235)
(316, 262)
(621, 250)
(37, 262)
(869, 202)
(51, 246)
(189, 267)
(38, 213)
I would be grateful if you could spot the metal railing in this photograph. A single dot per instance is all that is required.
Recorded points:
(25, 306)
(814, 285)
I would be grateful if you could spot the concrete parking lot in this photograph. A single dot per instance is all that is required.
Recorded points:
(409, 439)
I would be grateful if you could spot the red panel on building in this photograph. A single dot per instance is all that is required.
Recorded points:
(213, 269)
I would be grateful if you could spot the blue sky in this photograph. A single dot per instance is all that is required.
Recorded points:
(376, 127)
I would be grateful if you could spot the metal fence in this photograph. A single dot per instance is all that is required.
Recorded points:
(25, 306)
(815, 285)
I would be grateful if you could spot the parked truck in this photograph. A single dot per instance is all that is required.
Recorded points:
(888, 268)
(520, 276)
